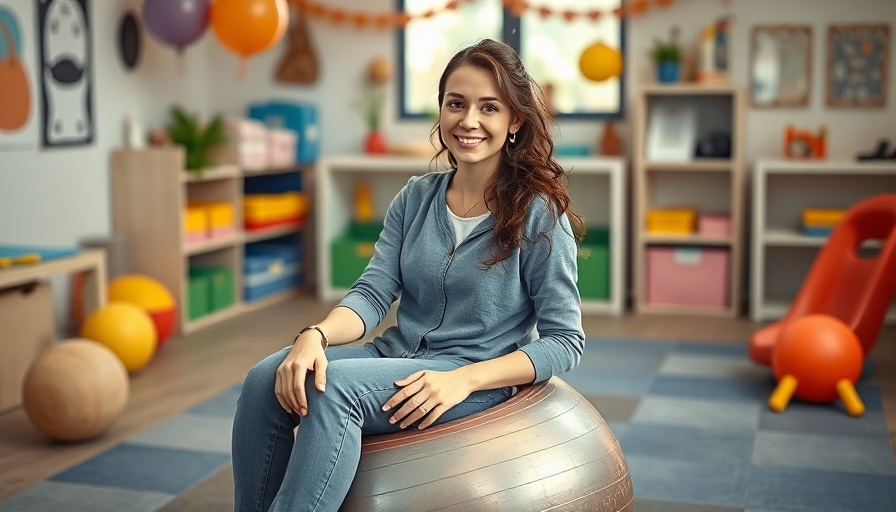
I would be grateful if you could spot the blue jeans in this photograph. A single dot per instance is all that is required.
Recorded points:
(275, 469)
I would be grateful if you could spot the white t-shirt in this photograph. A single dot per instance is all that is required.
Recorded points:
(463, 227)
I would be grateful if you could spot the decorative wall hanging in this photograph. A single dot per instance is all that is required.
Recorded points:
(66, 73)
(857, 60)
(299, 65)
(129, 41)
(17, 128)
(780, 66)
(390, 20)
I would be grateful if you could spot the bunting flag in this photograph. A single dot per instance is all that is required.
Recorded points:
(388, 20)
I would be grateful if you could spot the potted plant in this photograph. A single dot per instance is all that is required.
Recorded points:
(197, 139)
(667, 57)
(371, 104)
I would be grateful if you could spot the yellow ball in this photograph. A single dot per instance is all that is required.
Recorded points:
(600, 62)
(149, 294)
(127, 330)
(75, 390)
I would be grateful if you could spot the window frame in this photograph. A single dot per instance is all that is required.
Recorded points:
(511, 34)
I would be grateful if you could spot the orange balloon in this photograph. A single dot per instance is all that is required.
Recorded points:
(247, 27)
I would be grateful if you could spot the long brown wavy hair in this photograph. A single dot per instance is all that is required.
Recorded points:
(527, 168)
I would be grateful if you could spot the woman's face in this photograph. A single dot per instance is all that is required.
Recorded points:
(474, 119)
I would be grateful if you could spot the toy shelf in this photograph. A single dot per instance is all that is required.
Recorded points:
(710, 184)
(781, 253)
(150, 189)
(596, 186)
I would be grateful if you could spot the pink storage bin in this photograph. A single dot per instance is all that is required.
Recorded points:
(250, 137)
(714, 224)
(282, 146)
(221, 232)
(688, 276)
(196, 237)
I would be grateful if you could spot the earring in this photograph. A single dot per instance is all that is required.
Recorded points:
(512, 137)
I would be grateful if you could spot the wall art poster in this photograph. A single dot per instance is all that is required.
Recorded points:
(18, 71)
(66, 73)
(857, 65)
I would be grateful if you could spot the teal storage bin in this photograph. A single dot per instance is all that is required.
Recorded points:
(594, 264)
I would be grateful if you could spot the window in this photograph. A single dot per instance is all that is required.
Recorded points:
(548, 43)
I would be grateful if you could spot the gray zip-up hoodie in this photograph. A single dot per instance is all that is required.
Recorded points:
(451, 306)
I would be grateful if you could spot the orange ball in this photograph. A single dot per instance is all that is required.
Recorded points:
(150, 295)
(127, 330)
(819, 351)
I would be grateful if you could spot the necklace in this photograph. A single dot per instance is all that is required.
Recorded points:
(474, 206)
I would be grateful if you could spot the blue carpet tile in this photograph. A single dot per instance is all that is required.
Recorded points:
(691, 418)
(701, 436)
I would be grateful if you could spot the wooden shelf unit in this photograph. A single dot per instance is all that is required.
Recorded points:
(150, 189)
(597, 188)
(710, 184)
(781, 253)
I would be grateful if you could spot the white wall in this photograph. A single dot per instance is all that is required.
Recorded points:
(58, 196)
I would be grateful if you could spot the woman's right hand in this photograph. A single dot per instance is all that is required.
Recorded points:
(306, 355)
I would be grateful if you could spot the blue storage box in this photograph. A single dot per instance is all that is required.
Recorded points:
(296, 116)
(270, 268)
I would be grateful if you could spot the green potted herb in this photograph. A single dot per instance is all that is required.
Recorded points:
(197, 139)
(667, 57)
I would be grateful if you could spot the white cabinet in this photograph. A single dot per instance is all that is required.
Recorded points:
(782, 189)
(668, 174)
(596, 186)
(150, 189)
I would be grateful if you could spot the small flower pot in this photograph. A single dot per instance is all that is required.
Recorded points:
(375, 143)
(667, 72)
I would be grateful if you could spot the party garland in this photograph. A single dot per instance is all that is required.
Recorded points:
(387, 20)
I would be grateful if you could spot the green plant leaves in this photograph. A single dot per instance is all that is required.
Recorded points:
(186, 130)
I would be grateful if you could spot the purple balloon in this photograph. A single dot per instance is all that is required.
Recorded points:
(176, 22)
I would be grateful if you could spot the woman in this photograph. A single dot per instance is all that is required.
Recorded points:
(479, 255)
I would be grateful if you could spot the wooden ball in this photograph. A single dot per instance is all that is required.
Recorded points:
(75, 390)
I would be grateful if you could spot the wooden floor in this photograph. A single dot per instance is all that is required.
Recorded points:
(190, 370)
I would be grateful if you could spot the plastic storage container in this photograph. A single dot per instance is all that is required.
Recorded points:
(351, 252)
(594, 264)
(269, 268)
(688, 276)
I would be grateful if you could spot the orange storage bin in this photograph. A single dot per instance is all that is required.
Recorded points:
(672, 221)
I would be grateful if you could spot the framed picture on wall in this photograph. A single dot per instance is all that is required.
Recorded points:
(18, 76)
(66, 64)
(671, 132)
(780, 65)
(857, 58)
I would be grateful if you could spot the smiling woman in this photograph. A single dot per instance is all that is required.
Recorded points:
(549, 36)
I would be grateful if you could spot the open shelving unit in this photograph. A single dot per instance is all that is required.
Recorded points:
(596, 186)
(781, 253)
(710, 184)
(149, 191)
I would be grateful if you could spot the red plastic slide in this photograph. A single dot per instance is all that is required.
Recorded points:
(843, 284)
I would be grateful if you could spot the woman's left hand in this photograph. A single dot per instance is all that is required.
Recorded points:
(426, 394)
